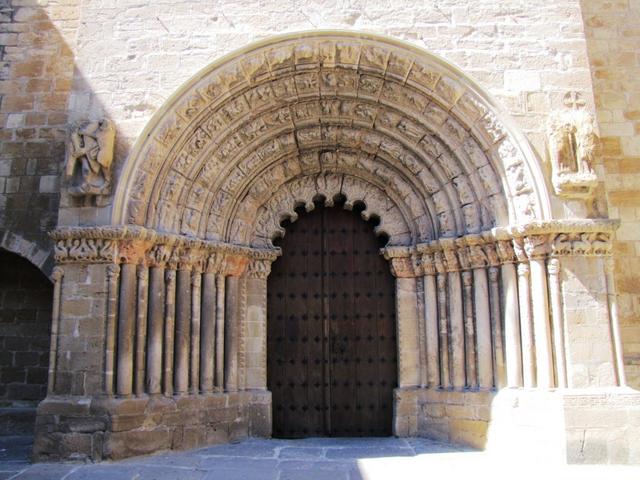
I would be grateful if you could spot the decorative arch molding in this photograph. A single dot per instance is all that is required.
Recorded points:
(393, 110)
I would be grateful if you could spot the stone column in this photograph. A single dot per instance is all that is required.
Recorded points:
(113, 275)
(208, 324)
(219, 347)
(169, 322)
(485, 352)
(57, 276)
(456, 315)
(613, 319)
(183, 324)
(512, 338)
(553, 269)
(407, 321)
(232, 292)
(471, 371)
(141, 328)
(443, 327)
(528, 365)
(126, 329)
(234, 267)
(157, 292)
(258, 271)
(431, 319)
(537, 247)
(196, 309)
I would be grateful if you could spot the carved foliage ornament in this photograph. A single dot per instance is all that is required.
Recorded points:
(572, 148)
(89, 158)
(138, 245)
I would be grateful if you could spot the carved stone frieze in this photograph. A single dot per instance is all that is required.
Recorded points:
(140, 245)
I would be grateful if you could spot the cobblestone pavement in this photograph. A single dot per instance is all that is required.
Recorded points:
(308, 459)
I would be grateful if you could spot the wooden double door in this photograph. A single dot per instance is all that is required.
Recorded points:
(331, 335)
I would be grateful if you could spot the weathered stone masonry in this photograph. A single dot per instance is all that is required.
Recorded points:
(159, 319)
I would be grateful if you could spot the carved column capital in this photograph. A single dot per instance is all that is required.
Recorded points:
(259, 268)
(234, 264)
(427, 261)
(133, 251)
(439, 262)
(159, 254)
(537, 246)
(519, 250)
(402, 267)
(553, 266)
(505, 251)
(450, 258)
(57, 274)
(213, 262)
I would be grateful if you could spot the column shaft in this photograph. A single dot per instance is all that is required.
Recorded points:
(483, 328)
(220, 314)
(541, 329)
(445, 377)
(558, 323)
(431, 324)
(113, 273)
(208, 332)
(512, 339)
(231, 334)
(469, 332)
(182, 335)
(496, 329)
(126, 329)
(528, 367)
(57, 275)
(194, 370)
(456, 332)
(141, 328)
(169, 325)
(154, 337)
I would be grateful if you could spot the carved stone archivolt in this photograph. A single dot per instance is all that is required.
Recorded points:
(89, 158)
(401, 131)
(573, 143)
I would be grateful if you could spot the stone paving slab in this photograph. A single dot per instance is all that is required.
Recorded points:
(307, 459)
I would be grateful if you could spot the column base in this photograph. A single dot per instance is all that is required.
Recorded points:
(102, 428)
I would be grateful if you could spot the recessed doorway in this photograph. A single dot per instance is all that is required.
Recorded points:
(332, 363)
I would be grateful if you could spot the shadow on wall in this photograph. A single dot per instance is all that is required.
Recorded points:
(37, 74)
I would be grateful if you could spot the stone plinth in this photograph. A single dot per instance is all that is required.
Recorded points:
(81, 428)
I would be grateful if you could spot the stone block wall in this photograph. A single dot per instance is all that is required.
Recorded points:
(612, 31)
(25, 313)
(36, 72)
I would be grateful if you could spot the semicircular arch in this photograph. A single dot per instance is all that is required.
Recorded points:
(368, 108)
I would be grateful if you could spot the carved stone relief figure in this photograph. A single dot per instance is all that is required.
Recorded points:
(89, 158)
(572, 148)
